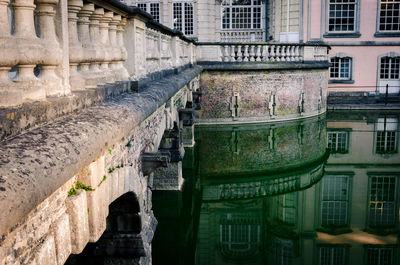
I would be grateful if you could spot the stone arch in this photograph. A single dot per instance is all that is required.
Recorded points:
(121, 242)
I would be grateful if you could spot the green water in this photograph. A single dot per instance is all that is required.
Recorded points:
(317, 191)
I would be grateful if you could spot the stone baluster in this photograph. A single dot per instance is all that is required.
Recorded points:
(252, 54)
(273, 47)
(4, 26)
(232, 53)
(265, 53)
(246, 53)
(75, 47)
(105, 43)
(52, 53)
(94, 31)
(292, 53)
(116, 50)
(239, 53)
(283, 53)
(297, 54)
(226, 53)
(88, 51)
(278, 53)
(258, 53)
(124, 75)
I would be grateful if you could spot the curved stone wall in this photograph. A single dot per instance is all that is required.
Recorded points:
(230, 96)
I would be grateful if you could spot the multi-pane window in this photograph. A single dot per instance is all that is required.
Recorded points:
(386, 136)
(335, 200)
(290, 12)
(340, 68)
(241, 14)
(183, 14)
(390, 68)
(382, 201)
(389, 15)
(379, 256)
(342, 15)
(338, 142)
(284, 249)
(287, 208)
(332, 256)
(153, 8)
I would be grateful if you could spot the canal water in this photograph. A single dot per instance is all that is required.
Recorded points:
(322, 191)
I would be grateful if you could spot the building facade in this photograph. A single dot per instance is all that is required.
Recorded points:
(364, 35)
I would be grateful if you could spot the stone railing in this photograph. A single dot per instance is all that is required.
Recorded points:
(30, 55)
(242, 36)
(261, 52)
(89, 43)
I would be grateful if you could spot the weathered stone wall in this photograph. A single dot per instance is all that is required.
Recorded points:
(262, 95)
(99, 147)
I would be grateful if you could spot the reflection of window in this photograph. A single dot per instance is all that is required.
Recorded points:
(342, 16)
(287, 208)
(241, 14)
(382, 200)
(390, 68)
(332, 256)
(239, 235)
(386, 136)
(340, 68)
(183, 17)
(379, 256)
(389, 15)
(335, 200)
(153, 8)
(338, 142)
(284, 251)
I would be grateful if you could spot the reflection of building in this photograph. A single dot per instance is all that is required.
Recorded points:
(349, 217)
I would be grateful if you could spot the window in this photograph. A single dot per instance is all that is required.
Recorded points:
(284, 249)
(335, 200)
(340, 68)
(287, 208)
(153, 8)
(338, 142)
(382, 200)
(183, 17)
(379, 256)
(241, 14)
(389, 16)
(386, 136)
(342, 15)
(390, 68)
(290, 21)
(332, 256)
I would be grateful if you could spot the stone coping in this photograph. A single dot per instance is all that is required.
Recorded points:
(238, 66)
(34, 164)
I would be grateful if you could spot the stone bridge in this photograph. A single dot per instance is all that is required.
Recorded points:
(97, 102)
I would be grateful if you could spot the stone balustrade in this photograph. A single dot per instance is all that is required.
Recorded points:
(242, 36)
(31, 56)
(95, 43)
(261, 52)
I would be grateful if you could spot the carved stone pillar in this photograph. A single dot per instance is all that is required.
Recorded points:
(84, 37)
(4, 27)
(105, 43)
(123, 73)
(75, 47)
(116, 51)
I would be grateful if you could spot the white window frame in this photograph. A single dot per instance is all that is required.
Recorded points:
(148, 8)
(252, 7)
(336, 144)
(392, 83)
(334, 202)
(287, 211)
(341, 59)
(356, 18)
(328, 255)
(379, 255)
(287, 35)
(378, 22)
(185, 22)
(386, 127)
(378, 205)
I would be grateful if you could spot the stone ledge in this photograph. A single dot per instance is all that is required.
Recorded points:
(36, 163)
(223, 66)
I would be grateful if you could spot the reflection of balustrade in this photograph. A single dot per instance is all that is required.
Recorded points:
(242, 36)
(26, 48)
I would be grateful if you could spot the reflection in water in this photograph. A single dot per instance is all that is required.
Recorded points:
(269, 194)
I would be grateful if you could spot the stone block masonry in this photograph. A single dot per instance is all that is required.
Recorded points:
(248, 96)
(99, 147)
